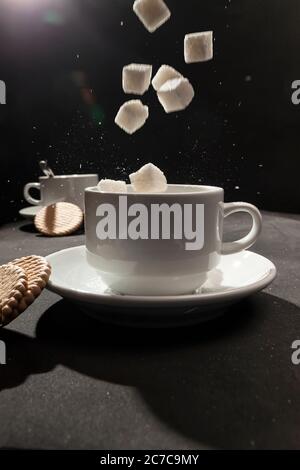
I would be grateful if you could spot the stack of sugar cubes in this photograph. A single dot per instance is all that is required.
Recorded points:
(174, 91)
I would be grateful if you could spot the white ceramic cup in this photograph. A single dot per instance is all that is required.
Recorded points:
(69, 188)
(162, 266)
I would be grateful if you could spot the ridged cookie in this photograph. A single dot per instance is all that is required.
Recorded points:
(62, 218)
(38, 271)
(13, 289)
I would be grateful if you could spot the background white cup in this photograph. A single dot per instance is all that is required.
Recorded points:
(164, 267)
(69, 188)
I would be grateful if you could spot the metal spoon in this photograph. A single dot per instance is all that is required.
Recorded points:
(46, 168)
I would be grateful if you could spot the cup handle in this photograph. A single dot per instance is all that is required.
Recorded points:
(28, 197)
(251, 237)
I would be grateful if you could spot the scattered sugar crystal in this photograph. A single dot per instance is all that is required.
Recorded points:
(152, 13)
(198, 47)
(149, 179)
(132, 116)
(176, 94)
(136, 78)
(164, 73)
(112, 186)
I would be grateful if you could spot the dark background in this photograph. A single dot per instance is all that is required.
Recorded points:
(62, 61)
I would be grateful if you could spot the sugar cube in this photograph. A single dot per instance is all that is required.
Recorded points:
(132, 116)
(175, 94)
(136, 78)
(164, 73)
(112, 186)
(152, 13)
(198, 47)
(149, 179)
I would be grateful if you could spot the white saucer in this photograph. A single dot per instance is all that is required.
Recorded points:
(237, 276)
(30, 212)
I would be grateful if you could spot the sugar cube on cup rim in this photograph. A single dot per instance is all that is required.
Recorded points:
(198, 47)
(112, 186)
(152, 13)
(148, 179)
(136, 78)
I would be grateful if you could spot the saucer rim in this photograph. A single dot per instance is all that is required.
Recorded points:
(185, 299)
(26, 215)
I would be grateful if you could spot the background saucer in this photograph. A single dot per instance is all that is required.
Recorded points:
(30, 212)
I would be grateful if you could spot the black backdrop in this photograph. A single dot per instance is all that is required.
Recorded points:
(62, 61)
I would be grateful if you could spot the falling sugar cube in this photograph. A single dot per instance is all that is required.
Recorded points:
(176, 94)
(136, 78)
(149, 179)
(164, 73)
(198, 47)
(112, 186)
(152, 13)
(132, 116)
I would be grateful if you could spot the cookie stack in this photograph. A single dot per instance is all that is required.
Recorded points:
(21, 282)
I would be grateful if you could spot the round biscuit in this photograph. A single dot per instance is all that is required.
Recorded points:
(59, 219)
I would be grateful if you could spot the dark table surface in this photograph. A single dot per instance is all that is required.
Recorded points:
(73, 383)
